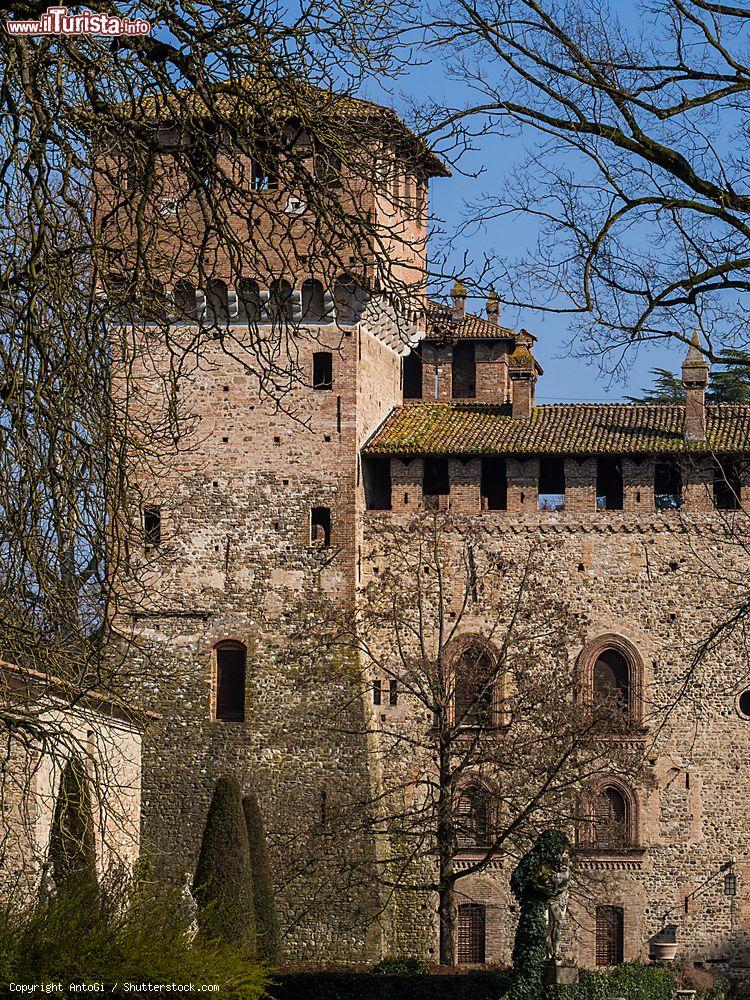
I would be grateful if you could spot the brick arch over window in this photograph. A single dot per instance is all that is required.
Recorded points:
(475, 680)
(609, 816)
(611, 668)
(230, 675)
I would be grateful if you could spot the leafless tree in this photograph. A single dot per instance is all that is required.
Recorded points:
(480, 733)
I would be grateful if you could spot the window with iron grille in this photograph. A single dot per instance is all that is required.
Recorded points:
(230, 682)
(609, 935)
(471, 934)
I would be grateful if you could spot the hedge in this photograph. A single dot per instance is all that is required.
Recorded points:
(377, 986)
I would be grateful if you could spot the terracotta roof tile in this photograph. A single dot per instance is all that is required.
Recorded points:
(441, 326)
(557, 429)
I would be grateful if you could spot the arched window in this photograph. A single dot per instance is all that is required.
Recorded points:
(473, 818)
(610, 671)
(248, 301)
(280, 300)
(474, 686)
(611, 819)
(349, 298)
(231, 660)
(218, 302)
(185, 302)
(611, 686)
(313, 304)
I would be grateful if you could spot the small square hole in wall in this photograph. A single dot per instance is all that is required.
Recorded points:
(225, 440)
(216, 484)
(275, 525)
(216, 548)
(277, 440)
(226, 388)
(326, 437)
(286, 482)
(376, 570)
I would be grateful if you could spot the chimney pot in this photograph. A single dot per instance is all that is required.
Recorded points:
(695, 379)
(458, 299)
(493, 308)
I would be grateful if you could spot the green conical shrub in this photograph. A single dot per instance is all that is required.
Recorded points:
(264, 902)
(223, 881)
(72, 847)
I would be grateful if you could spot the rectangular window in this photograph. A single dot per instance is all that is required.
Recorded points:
(322, 370)
(377, 692)
(412, 375)
(727, 485)
(667, 486)
(494, 484)
(320, 526)
(377, 482)
(464, 371)
(609, 935)
(435, 477)
(551, 484)
(609, 491)
(393, 693)
(230, 683)
(471, 934)
(152, 526)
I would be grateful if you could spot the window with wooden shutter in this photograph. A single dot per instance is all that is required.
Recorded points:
(471, 934)
(230, 682)
(609, 935)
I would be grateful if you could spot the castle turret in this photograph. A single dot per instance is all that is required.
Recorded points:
(695, 379)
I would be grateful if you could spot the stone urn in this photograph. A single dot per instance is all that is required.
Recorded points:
(664, 951)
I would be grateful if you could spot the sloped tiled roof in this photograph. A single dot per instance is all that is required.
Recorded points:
(557, 429)
(442, 326)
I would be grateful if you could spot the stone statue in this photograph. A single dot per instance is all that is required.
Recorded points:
(540, 884)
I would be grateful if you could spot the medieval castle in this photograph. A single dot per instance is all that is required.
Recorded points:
(636, 510)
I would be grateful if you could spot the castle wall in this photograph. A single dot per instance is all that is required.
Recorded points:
(661, 583)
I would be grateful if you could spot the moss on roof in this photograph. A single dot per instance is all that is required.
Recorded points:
(557, 429)
(442, 326)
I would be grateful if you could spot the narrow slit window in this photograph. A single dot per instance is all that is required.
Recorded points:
(412, 375)
(393, 692)
(152, 526)
(464, 371)
(377, 692)
(551, 484)
(609, 490)
(323, 370)
(377, 483)
(494, 484)
(320, 526)
(230, 682)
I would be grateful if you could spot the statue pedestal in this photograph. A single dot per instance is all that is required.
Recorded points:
(560, 973)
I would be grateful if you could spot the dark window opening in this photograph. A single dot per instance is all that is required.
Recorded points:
(743, 703)
(412, 374)
(377, 482)
(612, 684)
(265, 170)
(727, 485)
(464, 371)
(313, 301)
(218, 302)
(611, 817)
(320, 526)
(280, 300)
(667, 486)
(327, 167)
(248, 301)
(152, 526)
(472, 819)
(435, 477)
(185, 301)
(609, 935)
(471, 934)
(474, 688)
(609, 491)
(230, 682)
(377, 692)
(393, 693)
(322, 370)
(551, 484)
(494, 484)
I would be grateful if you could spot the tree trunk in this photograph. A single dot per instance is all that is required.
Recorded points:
(447, 916)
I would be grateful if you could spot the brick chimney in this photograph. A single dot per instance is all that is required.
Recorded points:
(493, 308)
(458, 299)
(695, 380)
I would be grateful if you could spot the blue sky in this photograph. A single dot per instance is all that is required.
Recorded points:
(566, 378)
